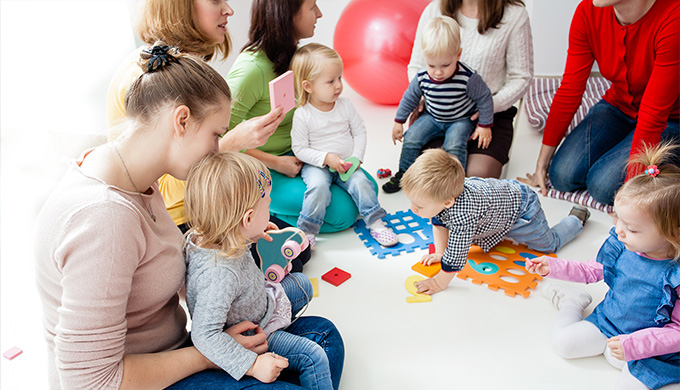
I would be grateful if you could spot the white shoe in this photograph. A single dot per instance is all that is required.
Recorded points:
(559, 294)
(383, 234)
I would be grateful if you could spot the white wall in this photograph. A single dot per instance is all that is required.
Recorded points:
(48, 84)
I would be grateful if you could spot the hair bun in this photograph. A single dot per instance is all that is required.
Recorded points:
(157, 56)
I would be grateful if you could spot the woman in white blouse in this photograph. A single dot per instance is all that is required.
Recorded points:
(497, 43)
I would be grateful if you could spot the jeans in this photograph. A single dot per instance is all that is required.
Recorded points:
(531, 227)
(318, 197)
(426, 128)
(594, 155)
(315, 334)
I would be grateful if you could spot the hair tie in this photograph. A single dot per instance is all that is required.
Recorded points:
(160, 57)
(652, 170)
(266, 180)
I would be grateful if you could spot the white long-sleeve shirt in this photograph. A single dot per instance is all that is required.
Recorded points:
(339, 131)
(503, 56)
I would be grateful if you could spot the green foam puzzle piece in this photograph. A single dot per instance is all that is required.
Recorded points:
(355, 164)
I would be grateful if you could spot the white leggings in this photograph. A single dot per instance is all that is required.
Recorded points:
(572, 338)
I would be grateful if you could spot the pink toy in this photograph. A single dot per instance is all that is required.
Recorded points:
(375, 39)
(282, 92)
(12, 353)
(383, 173)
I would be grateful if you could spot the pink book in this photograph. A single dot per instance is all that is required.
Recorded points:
(282, 92)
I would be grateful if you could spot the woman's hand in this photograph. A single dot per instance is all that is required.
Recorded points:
(267, 367)
(539, 265)
(541, 174)
(252, 133)
(616, 348)
(288, 165)
(256, 343)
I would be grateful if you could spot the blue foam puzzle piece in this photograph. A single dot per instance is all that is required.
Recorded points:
(402, 222)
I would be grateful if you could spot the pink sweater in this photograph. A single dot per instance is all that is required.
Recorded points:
(108, 277)
(642, 344)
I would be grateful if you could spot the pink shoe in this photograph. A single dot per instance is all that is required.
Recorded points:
(312, 241)
(385, 236)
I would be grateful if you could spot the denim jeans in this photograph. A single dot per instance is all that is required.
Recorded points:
(594, 155)
(426, 128)
(531, 227)
(315, 334)
(318, 197)
(304, 356)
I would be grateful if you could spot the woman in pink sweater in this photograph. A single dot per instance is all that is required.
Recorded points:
(109, 256)
(637, 47)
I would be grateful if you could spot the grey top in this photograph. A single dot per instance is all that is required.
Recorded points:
(222, 292)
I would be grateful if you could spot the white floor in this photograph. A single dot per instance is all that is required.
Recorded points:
(468, 337)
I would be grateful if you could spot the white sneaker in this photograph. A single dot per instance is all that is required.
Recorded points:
(383, 234)
(559, 294)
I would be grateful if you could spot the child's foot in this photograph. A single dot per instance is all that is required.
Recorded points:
(559, 294)
(581, 213)
(312, 240)
(383, 234)
(393, 185)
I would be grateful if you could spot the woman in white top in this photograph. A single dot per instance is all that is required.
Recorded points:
(497, 43)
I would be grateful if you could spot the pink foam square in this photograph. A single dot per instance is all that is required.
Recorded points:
(282, 92)
(12, 353)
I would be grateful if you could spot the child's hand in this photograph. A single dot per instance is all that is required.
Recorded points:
(264, 235)
(334, 161)
(616, 348)
(397, 133)
(484, 136)
(267, 367)
(434, 285)
(431, 258)
(539, 265)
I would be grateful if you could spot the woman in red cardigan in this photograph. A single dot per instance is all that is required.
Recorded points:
(636, 46)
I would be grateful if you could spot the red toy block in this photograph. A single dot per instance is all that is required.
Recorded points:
(336, 276)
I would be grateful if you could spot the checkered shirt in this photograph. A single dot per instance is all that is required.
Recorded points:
(482, 215)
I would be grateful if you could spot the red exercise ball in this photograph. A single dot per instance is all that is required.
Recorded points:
(375, 39)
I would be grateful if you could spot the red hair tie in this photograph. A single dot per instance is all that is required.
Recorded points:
(652, 170)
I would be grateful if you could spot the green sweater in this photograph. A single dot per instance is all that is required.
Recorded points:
(249, 79)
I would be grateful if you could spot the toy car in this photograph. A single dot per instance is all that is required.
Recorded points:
(383, 173)
(275, 256)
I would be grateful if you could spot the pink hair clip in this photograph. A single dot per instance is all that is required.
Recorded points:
(652, 170)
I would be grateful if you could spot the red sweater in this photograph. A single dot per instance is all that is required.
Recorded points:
(642, 60)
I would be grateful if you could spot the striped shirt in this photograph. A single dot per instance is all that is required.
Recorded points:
(457, 97)
(482, 215)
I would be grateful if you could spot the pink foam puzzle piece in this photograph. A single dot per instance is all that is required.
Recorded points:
(12, 353)
(282, 92)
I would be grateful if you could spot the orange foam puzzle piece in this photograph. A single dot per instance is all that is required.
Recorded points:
(427, 270)
(502, 268)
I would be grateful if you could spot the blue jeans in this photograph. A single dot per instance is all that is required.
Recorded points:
(426, 128)
(531, 227)
(594, 155)
(308, 330)
(318, 197)
(304, 356)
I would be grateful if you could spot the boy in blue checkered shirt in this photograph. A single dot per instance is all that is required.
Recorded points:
(468, 211)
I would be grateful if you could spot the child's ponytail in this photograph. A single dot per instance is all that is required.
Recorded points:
(656, 191)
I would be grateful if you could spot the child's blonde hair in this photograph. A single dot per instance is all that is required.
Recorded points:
(220, 189)
(656, 193)
(441, 36)
(307, 64)
(435, 175)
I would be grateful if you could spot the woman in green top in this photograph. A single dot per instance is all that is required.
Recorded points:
(276, 27)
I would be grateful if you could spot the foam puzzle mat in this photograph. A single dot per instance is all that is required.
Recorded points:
(405, 224)
(502, 268)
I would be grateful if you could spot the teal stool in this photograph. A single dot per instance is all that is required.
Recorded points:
(287, 194)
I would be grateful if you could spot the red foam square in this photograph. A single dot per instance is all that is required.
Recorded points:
(336, 276)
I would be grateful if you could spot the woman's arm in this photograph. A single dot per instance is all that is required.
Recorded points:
(519, 65)
(417, 61)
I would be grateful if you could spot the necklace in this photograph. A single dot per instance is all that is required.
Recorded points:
(146, 206)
